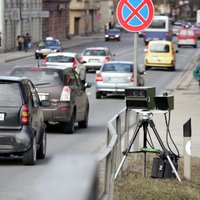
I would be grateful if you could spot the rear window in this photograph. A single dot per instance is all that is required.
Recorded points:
(161, 48)
(187, 32)
(10, 94)
(40, 76)
(93, 52)
(158, 24)
(118, 67)
(60, 58)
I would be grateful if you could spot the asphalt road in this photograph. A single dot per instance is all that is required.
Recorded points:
(17, 180)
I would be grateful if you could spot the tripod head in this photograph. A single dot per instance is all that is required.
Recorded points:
(145, 115)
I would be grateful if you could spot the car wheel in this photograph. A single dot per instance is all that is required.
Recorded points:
(147, 67)
(69, 127)
(172, 68)
(98, 95)
(36, 56)
(84, 123)
(29, 157)
(195, 46)
(42, 150)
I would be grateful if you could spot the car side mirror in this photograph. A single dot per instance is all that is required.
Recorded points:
(176, 51)
(45, 103)
(87, 85)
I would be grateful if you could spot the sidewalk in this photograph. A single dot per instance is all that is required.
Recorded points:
(186, 95)
(74, 41)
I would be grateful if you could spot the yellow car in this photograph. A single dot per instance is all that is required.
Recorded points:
(160, 54)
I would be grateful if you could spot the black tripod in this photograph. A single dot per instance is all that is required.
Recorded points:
(144, 121)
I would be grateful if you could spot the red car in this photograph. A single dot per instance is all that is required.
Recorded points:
(187, 37)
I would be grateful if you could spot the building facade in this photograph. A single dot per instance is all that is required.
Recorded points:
(19, 17)
(84, 16)
(57, 24)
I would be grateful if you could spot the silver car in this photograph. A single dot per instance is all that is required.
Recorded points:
(67, 59)
(115, 76)
(94, 57)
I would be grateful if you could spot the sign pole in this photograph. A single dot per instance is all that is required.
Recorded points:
(135, 67)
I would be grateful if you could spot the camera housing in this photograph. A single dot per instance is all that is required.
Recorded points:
(145, 98)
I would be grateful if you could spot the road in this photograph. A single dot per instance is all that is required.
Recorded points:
(17, 180)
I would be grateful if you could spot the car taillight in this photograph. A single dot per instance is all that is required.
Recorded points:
(99, 77)
(65, 95)
(45, 61)
(132, 78)
(74, 64)
(106, 59)
(24, 115)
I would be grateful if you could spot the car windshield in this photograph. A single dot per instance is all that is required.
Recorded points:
(113, 31)
(60, 58)
(93, 52)
(187, 32)
(50, 43)
(41, 77)
(117, 67)
(10, 94)
(161, 48)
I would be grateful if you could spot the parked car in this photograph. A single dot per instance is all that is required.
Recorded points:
(45, 47)
(160, 54)
(187, 37)
(115, 76)
(113, 34)
(94, 57)
(65, 91)
(175, 29)
(67, 59)
(22, 127)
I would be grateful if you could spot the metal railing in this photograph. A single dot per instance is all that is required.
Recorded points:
(118, 129)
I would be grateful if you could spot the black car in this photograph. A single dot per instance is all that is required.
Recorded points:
(61, 86)
(113, 34)
(22, 129)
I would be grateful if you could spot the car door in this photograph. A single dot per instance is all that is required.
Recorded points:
(77, 93)
(36, 110)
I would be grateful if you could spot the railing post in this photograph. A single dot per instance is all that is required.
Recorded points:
(187, 133)
(119, 152)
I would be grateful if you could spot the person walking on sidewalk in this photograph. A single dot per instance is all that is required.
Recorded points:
(196, 73)
(26, 41)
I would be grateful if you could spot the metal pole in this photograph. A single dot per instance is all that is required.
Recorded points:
(135, 68)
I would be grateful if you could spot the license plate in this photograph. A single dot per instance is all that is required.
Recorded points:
(2, 117)
(114, 79)
(94, 60)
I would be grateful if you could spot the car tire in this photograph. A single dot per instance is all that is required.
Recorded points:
(147, 67)
(36, 57)
(195, 46)
(69, 127)
(84, 123)
(98, 95)
(42, 150)
(30, 156)
(172, 68)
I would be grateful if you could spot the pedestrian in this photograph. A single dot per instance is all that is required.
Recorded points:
(196, 73)
(26, 41)
(20, 41)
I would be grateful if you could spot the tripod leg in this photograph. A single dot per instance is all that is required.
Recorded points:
(129, 147)
(163, 148)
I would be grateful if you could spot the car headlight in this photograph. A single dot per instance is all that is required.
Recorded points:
(106, 36)
(116, 35)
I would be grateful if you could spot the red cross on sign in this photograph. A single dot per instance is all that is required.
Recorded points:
(135, 15)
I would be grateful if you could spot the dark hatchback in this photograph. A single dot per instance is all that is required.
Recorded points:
(65, 91)
(113, 34)
(22, 128)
